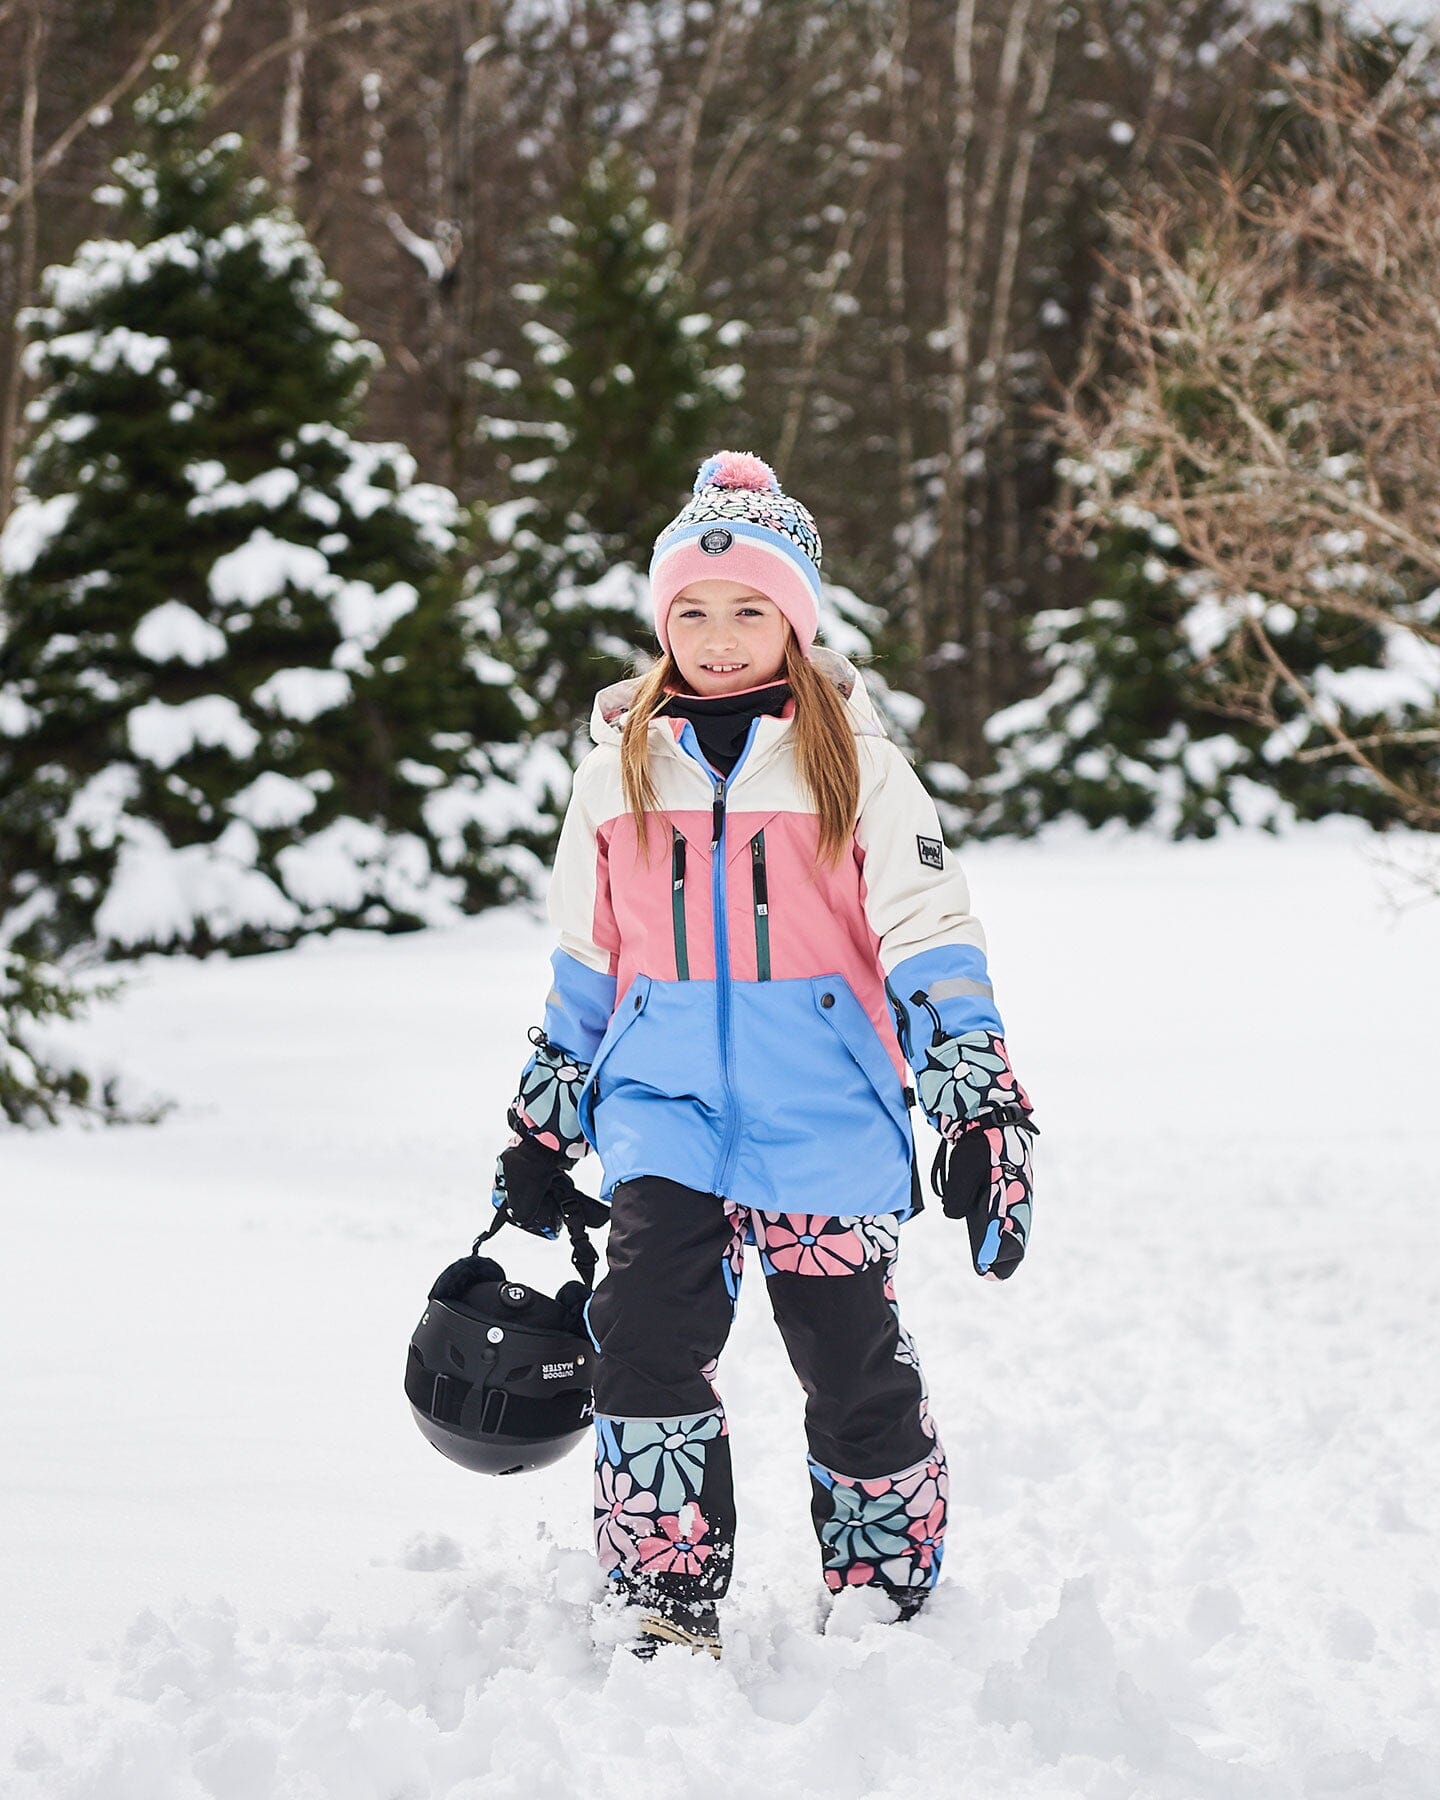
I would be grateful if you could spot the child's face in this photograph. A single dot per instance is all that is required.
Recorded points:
(725, 636)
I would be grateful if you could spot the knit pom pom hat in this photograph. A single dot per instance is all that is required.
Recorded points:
(741, 527)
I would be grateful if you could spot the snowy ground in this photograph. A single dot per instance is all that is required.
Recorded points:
(1195, 1443)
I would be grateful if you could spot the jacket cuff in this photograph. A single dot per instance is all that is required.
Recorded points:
(545, 1109)
(966, 1077)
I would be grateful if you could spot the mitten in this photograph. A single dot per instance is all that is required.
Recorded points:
(965, 1077)
(532, 1181)
(987, 1182)
(533, 1186)
(972, 1098)
(547, 1106)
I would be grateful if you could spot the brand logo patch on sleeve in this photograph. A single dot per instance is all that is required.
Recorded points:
(932, 852)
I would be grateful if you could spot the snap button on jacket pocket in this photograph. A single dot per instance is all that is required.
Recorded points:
(827, 999)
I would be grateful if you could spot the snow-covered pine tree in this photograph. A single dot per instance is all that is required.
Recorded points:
(595, 442)
(1257, 478)
(1139, 720)
(238, 702)
(35, 1087)
(1125, 727)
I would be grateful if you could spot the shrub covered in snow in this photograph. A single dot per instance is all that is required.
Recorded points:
(36, 1086)
(1138, 722)
(239, 700)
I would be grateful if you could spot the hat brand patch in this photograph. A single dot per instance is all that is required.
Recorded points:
(932, 852)
(714, 543)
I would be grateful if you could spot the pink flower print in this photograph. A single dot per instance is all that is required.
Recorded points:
(924, 1487)
(857, 1575)
(812, 1244)
(623, 1515)
(676, 1549)
(929, 1535)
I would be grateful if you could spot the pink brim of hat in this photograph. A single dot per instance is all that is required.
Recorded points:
(769, 572)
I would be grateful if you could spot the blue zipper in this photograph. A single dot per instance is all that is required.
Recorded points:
(721, 911)
(720, 922)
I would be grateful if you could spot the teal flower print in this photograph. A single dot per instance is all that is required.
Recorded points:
(864, 1527)
(667, 1456)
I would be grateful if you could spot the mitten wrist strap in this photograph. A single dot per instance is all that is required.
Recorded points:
(583, 1253)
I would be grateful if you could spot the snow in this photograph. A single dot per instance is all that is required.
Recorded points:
(32, 525)
(1409, 678)
(96, 810)
(363, 614)
(303, 694)
(174, 632)
(160, 893)
(263, 567)
(161, 734)
(16, 717)
(100, 352)
(351, 860)
(272, 489)
(1195, 1442)
(273, 801)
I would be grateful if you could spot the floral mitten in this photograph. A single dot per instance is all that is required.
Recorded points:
(532, 1180)
(967, 1076)
(972, 1098)
(987, 1182)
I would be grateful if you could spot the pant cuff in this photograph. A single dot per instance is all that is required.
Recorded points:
(885, 1531)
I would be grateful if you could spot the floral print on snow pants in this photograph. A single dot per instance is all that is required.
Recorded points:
(664, 1502)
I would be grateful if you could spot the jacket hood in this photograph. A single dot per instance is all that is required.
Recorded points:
(607, 715)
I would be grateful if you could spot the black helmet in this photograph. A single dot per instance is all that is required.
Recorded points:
(499, 1374)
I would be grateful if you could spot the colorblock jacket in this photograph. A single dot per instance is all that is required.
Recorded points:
(737, 1016)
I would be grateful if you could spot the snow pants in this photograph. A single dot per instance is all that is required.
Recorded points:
(664, 1502)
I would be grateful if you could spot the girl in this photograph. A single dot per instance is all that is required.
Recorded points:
(760, 925)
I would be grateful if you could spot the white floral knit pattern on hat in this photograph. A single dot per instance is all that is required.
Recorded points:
(740, 525)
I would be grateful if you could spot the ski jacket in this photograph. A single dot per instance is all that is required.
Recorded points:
(737, 1016)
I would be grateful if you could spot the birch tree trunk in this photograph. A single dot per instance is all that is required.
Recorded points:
(898, 310)
(25, 257)
(291, 158)
(941, 643)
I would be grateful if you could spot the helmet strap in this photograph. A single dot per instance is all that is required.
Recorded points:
(582, 1252)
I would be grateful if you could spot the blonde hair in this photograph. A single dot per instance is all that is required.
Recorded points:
(824, 748)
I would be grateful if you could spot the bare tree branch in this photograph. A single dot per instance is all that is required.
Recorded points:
(99, 113)
(349, 21)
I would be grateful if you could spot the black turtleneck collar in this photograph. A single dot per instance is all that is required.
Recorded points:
(722, 721)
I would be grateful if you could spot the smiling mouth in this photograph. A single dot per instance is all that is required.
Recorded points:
(722, 668)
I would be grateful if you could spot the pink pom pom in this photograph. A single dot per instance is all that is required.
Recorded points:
(737, 469)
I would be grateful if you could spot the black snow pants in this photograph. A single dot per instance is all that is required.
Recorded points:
(664, 1502)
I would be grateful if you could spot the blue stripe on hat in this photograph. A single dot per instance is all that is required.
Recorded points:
(761, 534)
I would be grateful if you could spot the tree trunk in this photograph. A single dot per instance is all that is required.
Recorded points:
(25, 258)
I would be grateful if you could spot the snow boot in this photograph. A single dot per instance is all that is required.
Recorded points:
(908, 1602)
(693, 1625)
(875, 1601)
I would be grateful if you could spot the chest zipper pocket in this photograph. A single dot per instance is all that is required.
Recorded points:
(762, 906)
(677, 903)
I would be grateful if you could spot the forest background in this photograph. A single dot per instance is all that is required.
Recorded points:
(1100, 337)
